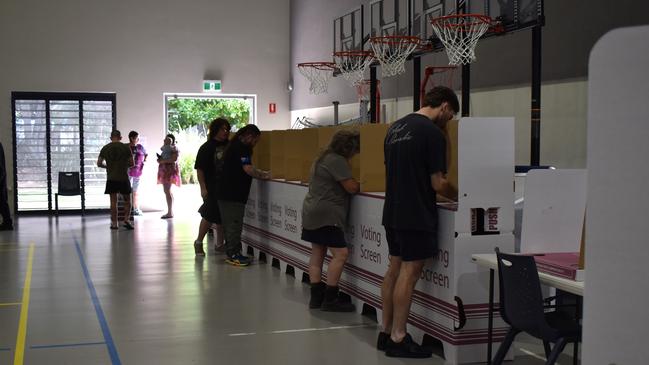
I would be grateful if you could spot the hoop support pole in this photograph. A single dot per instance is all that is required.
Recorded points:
(374, 108)
(466, 89)
(417, 86)
(535, 143)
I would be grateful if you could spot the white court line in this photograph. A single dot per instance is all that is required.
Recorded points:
(306, 330)
(535, 355)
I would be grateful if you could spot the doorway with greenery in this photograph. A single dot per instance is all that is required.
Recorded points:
(188, 117)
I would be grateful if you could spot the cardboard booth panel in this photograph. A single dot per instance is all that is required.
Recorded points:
(293, 149)
(372, 165)
(261, 154)
(277, 154)
(315, 140)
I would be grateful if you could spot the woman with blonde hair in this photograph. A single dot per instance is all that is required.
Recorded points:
(324, 217)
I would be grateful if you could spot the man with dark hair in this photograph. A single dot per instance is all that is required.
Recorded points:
(234, 187)
(116, 158)
(415, 164)
(209, 166)
(7, 223)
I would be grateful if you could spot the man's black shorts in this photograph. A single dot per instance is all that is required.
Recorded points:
(411, 245)
(329, 236)
(210, 209)
(122, 187)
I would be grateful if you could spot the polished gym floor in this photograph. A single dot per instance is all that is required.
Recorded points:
(74, 292)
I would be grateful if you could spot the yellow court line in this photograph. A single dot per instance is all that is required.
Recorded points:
(9, 304)
(22, 327)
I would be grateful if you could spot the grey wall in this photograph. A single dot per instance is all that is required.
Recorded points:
(572, 27)
(141, 49)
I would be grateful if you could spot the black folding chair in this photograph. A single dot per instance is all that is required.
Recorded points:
(522, 307)
(69, 185)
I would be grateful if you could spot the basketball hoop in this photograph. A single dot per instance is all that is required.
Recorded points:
(363, 89)
(318, 73)
(460, 34)
(352, 64)
(392, 52)
(444, 78)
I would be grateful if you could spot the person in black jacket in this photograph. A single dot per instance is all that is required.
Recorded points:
(7, 223)
(234, 187)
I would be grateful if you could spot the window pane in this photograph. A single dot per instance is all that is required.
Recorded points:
(31, 155)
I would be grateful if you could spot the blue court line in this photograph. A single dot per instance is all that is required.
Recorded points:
(112, 350)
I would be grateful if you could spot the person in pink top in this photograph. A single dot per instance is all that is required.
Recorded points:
(135, 172)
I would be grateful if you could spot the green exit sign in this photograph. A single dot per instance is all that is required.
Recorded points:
(211, 85)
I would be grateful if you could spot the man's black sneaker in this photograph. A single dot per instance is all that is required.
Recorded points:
(128, 226)
(407, 348)
(382, 340)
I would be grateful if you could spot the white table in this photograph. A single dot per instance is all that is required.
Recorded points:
(489, 261)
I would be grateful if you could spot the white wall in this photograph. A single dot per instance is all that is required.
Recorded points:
(616, 290)
(142, 49)
(563, 118)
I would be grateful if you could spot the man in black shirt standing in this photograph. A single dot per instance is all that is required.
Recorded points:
(234, 187)
(209, 171)
(415, 164)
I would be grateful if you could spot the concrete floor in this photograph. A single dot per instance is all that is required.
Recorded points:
(98, 296)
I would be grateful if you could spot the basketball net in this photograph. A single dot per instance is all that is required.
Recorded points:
(318, 74)
(392, 52)
(460, 34)
(352, 64)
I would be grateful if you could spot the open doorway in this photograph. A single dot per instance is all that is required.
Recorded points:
(187, 117)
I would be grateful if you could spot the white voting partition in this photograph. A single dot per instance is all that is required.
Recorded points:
(617, 223)
(450, 301)
(486, 169)
(553, 212)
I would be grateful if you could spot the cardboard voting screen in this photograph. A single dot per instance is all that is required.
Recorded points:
(372, 166)
(277, 154)
(293, 146)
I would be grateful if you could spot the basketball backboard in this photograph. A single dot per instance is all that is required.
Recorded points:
(389, 18)
(348, 31)
(512, 14)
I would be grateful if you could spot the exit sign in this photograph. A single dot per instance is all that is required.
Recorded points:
(211, 85)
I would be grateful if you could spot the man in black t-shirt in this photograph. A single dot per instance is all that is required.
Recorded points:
(207, 159)
(234, 187)
(415, 165)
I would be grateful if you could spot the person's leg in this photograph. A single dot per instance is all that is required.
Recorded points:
(7, 222)
(113, 209)
(336, 265)
(316, 260)
(135, 184)
(203, 227)
(387, 291)
(170, 200)
(332, 302)
(402, 297)
(127, 208)
(232, 220)
(219, 236)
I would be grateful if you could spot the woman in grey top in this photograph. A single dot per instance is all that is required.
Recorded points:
(324, 217)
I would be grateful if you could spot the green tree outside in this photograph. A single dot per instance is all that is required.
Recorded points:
(185, 113)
